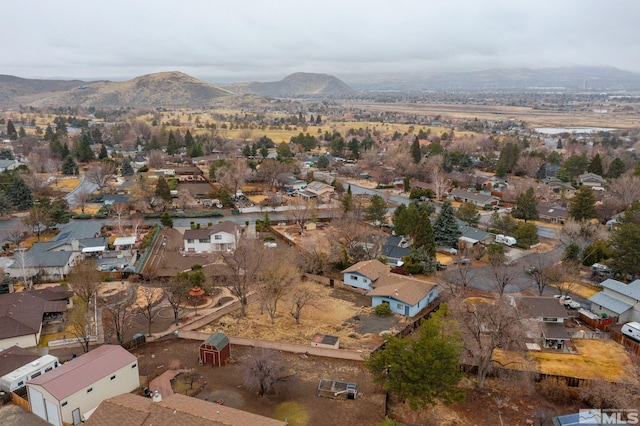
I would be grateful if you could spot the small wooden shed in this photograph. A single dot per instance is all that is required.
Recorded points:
(216, 350)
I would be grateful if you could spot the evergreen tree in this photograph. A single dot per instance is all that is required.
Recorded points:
(162, 189)
(347, 202)
(11, 130)
(526, 234)
(572, 167)
(416, 154)
(616, 168)
(127, 168)
(21, 132)
(188, 139)
(153, 144)
(246, 151)
(583, 204)
(284, 151)
(423, 235)
(625, 242)
(5, 204)
(595, 166)
(166, 220)
(376, 211)
(195, 150)
(423, 370)
(172, 144)
(103, 153)
(468, 212)
(526, 206)
(48, 133)
(323, 162)
(69, 166)
(19, 193)
(6, 154)
(445, 228)
(354, 147)
(508, 158)
(318, 119)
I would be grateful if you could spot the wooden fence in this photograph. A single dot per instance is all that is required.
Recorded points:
(19, 400)
(630, 344)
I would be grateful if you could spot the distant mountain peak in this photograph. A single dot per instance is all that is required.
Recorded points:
(296, 85)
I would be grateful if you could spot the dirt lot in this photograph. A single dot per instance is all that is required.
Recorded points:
(226, 383)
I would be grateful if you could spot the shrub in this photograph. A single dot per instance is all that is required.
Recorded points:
(99, 216)
(556, 391)
(383, 310)
(83, 216)
(268, 238)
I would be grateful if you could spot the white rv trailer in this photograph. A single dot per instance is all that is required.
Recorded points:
(18, 378)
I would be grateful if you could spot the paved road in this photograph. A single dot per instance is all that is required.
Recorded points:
(88, 186)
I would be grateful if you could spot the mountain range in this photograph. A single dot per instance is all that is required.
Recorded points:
(179, 90)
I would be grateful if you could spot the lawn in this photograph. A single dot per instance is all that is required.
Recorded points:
(580, 289)
(66, 184)
(598, 359)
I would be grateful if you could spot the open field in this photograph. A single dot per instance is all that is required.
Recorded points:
(598, 359)
(533, 117)
(329, 315)
(66, 184)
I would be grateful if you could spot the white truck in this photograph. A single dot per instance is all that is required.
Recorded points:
(509, 241)
(632, 329)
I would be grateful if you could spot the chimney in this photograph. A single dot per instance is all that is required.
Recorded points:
(157, 397)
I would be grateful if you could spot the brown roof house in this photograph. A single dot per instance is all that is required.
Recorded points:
(221, 237)
(22, 315)
(72, 391)
(405, 295)
(549, 314)
(174, 410)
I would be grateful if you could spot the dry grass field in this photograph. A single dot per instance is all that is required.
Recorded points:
(598, 359)
(327, 316)
(66, 184)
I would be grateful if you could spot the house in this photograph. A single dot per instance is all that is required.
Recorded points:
(216, 350)
(54, 259)
(552, 213)
(364, 274)
(405, 295)
(320, 190)
(551, 315)
(395, 249)
(23, 314)
(557, 186)
(67, 393)
(6, 165)
(176, 409)
(288, 181)
(479, 199)
(473, 240)
(591, 180)
(618, 300)
(220, 237)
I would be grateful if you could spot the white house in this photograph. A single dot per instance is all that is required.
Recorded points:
(221, 237)
(68, 392)
(617, 300)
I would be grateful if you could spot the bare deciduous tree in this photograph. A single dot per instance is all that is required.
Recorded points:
(244, 264)
(147, 304)
(80, 326)
(81, 198)
(84, 280)
(264, 372)
(301, 211)
(626, 189)
(100, 173)
(120, 313)
(300, 299)
(273, 285)
(489, 324)
(234, 176)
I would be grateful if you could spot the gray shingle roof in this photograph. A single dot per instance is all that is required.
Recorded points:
(610, 303)
(632, 289)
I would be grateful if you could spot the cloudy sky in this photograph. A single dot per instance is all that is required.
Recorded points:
(238, 40)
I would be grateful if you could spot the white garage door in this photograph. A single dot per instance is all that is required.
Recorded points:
(52, 412)
(37, 403)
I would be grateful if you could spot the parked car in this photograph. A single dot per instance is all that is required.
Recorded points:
(441, 266)
(463, 261)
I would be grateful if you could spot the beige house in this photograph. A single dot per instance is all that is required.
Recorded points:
(70, 392)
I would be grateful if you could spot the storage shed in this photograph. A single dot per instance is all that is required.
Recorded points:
(216, 350)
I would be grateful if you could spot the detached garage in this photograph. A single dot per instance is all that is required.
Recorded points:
(216, 350)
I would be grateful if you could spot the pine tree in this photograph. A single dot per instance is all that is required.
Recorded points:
(188, 139)
(625, 242)
(445, 228)
(127, 169)
(172, 144)
(103, 153)
(416, 154)
(11, 130)
(376, 211)
(616, 168)
(526, 206)
(468, 212)
(69, 166)
(423, 235)
(5, 204)
(583, 204)
(19, 193)
(595, 166)
(162, 189)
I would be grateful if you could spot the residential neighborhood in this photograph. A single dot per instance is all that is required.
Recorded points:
(307, 263)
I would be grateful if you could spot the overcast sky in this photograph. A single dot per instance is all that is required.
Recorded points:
(263, 40)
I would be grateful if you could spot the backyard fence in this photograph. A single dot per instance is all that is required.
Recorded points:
(630, 344)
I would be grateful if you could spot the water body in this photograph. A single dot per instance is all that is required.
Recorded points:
(574, 130)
